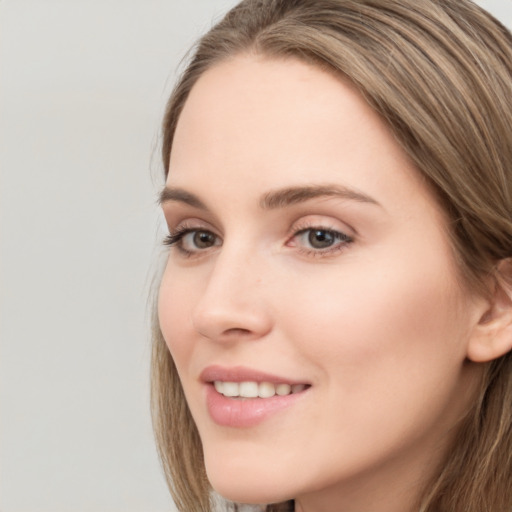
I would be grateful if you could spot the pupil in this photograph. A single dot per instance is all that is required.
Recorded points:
(320, 239)
(203, 239)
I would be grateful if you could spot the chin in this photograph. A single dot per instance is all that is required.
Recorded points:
(245, 485)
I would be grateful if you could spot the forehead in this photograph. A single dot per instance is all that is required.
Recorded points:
(253, 124)
(237, 102)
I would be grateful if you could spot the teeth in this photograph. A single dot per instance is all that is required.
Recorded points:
(297, 388)
(251, 389)
(248, 389)
(230, 389)
(283, 389)
(266, 390)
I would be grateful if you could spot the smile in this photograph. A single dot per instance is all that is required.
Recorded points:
(252, 389)
(241, 397)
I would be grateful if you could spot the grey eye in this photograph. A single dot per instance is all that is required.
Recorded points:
(320, 238)
(203, 239)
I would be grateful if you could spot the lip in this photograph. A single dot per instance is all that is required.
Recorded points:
(245, 412)
(243, 374)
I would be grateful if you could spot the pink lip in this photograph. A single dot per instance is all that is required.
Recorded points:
(244, 412)
(241, 374)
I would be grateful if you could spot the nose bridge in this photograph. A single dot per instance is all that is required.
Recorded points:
(233, 303)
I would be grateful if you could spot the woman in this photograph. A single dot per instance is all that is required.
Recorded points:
(335, 317)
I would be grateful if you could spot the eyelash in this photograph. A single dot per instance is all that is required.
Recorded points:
(175, 239)
(341, 240)
(340, 243)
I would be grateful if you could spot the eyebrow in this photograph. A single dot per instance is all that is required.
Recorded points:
(294, 195)
(276, 199)
(180, 195)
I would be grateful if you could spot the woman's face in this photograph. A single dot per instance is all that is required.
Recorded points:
(310, 265)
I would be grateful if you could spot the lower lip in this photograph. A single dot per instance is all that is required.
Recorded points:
(245, 412)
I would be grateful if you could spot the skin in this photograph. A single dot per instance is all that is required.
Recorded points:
(379, 326)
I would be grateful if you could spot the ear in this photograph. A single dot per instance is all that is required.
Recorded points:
(492, 336)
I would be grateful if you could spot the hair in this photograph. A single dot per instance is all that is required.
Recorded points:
(439, 73)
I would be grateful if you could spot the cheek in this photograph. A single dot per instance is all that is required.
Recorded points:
(395, 326)
(386, 350)
(174, 310)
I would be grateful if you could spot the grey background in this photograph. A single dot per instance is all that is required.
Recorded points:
(82, 88)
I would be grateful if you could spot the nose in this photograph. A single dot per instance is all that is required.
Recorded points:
(233, 305)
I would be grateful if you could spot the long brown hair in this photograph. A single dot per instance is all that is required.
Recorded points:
(439, 73)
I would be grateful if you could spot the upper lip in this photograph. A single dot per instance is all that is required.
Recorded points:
(243, 374)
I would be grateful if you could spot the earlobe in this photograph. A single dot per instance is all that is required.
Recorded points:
(492, 336)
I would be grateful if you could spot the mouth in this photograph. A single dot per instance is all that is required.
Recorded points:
(243, 397)
(253, 389)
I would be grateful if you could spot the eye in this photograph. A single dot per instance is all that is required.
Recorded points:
(198, 240)
(191, 241)
(320, 240)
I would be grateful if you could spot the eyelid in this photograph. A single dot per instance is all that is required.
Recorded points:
(300, 228)
(327, 223)
(178, 214)
(336, 232)
(189, 223)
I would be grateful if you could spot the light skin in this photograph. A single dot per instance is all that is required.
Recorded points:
(313, 251)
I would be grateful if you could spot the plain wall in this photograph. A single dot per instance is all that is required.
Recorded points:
(82, 89)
